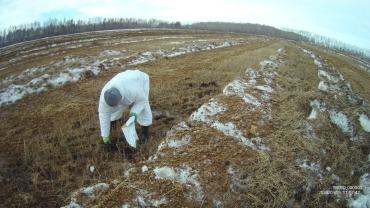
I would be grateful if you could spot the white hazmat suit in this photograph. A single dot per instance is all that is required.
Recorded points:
(133, 86)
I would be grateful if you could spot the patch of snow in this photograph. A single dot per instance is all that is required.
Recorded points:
(313, 114)
(24, 74)
(318, 63)
(309, 165)
(111, 53)
(238, 182)
(362, 201)
(16, 92)
(323, 86)
(252, 74)
(194, 48)
(230, 129)
(164, 173)
(267, 63)
(177, 143)
(144, 199)
(341, 121)
(60, 79)
(309, 131)
(364, 122)
(335, 178)
(247, 98)
(325, 75)
(306, 51)
(237, 87)
(178, 52)
(217, 204)
(73, 204)
(90, 191)
(142, 58)
(207, 110)
(157, 203)
(258, 143)
(92, 169)
(125, 205)
(316, 104)
(128, 172)
(176, 42)
(182, 175)
(265, 88)
(144, 168)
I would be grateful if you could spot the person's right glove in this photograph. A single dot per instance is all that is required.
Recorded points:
(106, 140)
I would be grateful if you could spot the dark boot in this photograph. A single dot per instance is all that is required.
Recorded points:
(111, 146)
(129, 153)
(144, 137)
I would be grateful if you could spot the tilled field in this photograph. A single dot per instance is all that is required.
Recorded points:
(238, 121)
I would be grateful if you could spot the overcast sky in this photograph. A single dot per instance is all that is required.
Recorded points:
(345, 20)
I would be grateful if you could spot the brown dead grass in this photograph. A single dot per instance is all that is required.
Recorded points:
(299, 86)
(49, 141)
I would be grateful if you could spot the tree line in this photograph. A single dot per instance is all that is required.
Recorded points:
(53, 27)
(336, 45)
(249, 28)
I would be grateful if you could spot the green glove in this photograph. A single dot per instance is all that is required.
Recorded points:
(133, 114)
(106, 140)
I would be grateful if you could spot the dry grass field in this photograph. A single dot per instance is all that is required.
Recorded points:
(50, 139)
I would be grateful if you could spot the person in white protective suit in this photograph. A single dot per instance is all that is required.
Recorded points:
(128, 89)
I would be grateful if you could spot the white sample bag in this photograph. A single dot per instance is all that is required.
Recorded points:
(130, 132)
